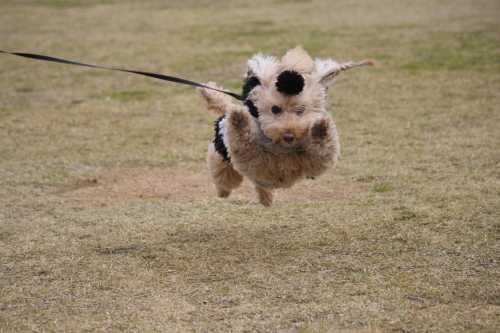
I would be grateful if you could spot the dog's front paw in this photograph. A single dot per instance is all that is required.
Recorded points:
(238, 120)
(319, 131)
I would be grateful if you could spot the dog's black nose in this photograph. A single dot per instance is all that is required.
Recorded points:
(288, 137)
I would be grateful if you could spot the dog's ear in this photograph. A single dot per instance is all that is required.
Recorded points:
(262, 67)
(298, 60)
(326, 70)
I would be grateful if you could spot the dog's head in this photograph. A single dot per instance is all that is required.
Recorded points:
(287, 96)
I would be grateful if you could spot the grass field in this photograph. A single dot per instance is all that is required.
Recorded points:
(108, 220)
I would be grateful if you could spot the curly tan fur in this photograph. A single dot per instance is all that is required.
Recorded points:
(293, 138)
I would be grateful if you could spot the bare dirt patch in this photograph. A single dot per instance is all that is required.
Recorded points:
(183, 184)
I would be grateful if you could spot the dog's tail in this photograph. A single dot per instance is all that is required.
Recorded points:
(214, 100)
(366, 62)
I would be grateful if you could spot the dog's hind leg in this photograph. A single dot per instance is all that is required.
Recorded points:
(264, 195)
(214, 100)
(224, 177)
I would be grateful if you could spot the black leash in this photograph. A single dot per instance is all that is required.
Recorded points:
(153, 75)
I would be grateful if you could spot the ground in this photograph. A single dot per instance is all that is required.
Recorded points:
(108, 220)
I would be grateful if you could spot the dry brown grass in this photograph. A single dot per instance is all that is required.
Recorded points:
(108, 221)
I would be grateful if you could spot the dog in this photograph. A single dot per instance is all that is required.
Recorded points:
(282, 133)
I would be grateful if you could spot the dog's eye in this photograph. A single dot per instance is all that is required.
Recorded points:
(276, 109)
(300, 110)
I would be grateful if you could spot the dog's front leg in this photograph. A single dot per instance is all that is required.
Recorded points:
(247, 156)
(322, 147)
(241, 133)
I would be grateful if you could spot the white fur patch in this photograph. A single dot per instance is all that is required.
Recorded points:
(262, 66)
(325, 67)
(222, 131)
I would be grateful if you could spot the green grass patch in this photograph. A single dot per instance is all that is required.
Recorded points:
(381, 187)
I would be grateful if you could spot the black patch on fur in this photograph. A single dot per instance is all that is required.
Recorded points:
(219, 143)
(252, 108)
(251, 83)
(290, 83)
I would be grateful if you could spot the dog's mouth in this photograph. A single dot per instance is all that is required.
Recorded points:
(291, 145)
(290, 141)
(287, 144)
(282, 147)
